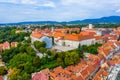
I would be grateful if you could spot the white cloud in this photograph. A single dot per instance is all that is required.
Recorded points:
(9, 1)
(118, 11)
(69, 2)
(49, 4)
(44, 3)
(28, 2)
(60, 10)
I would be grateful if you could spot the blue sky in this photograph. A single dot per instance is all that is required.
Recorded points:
(56, 10)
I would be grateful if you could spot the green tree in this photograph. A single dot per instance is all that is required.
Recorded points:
(26, 76)
(42, 50)
(15, 74)
(30, 51)
(48, 52)
(80, 51)
(44, 60)
(71, 58)
(39, 44)
(53, 41)
(3, 70)
(28, 40)
(36, 61)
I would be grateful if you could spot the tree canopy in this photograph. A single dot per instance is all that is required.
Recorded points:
(3, 70)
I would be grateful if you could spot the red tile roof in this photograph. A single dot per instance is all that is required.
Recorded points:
(10, 71)
(58, 70)
(40, 76)
(83, 33)
(98, 37)
(110, 62)
(14, 44)
(85, 73)
(45, 71)
(18, 31)
(101, 56)
(106, 51)
(74, 77)
(90, 68)
(92, 57)
(105, 73)
(76, 37)
(1, 78)
(96, 62)
(6, 45)
(58, 34)
(36, 35)
(67, 72)
(79, 78)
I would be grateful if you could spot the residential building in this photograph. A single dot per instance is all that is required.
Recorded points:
(6, 45)
(41, 38)
(14, 44)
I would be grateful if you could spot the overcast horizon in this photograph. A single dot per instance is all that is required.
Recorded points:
(56, 10)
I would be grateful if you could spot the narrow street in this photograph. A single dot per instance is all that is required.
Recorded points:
(93, 74)
(37, 52)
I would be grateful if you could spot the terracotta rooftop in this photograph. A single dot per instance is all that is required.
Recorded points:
(98, 37)
(45, 71)
(90, 68)
(74, 77)
(106, 51)
(1, 78)
(10, 71)
(14, 44)
(36, 35)
(40, 76)
(92, 57)
(58, 34)
(83, 33)
(79, 78)
(76, 37)
(58, 70)
(101, 56)
(85, 73)
(6, 44)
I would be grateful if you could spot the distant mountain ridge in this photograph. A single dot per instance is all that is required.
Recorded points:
(110, 19)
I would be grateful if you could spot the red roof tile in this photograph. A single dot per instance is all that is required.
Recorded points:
(79, 78)
(14, 44)
(101, 56)
(110, 62)
(40, 76)
(6, 45)
(98, 37)
(73, 77)
(36, 35)
(67, 72)
(90, 68)
(106, 51)
(76, 37)
(58, 34)
(45, 71)
(1, 78)
(58, 70)
(84, 73)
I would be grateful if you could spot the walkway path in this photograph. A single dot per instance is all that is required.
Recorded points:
(37, 52)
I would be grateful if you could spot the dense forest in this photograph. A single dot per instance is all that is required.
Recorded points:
(8, 34)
